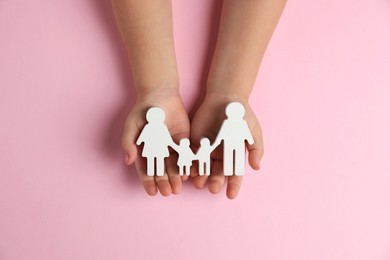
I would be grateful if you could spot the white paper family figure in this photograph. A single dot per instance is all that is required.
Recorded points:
(186, 156)
(203, 156)
(156, 139)
(233, 132)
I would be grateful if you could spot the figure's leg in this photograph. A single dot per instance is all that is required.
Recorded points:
(239, 161)
(181, 170)
(207, 165)
(201, 168)
(160, 166)
(228, 162)
(187, 170)
(150, 166)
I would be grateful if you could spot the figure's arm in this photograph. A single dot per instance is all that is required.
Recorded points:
(214, 145)
(141, 137)
(194, 156)
(169, 141)
(174, 146)
(139, 140)
(220, 136)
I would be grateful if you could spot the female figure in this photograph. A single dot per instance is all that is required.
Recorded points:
(156, 139)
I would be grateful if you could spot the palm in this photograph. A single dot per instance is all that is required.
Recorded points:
(178, 126)
(206, 123)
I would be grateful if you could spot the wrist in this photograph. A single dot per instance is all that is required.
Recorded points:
(227, 95)
(157, 93)
(168, 88)
(229, 83)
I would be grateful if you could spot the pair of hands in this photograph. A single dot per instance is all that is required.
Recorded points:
(206, 123)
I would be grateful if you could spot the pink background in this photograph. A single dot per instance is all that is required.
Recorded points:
(322, 97)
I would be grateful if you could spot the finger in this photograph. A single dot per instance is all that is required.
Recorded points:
(233, 186)
(147, 181)
(194, 169)
(256, 150)
(216, 179)
(130, 133)
(184, 178)
(200, 181)
(163, 184)
(173, 174)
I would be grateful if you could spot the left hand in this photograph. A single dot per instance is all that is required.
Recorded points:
(206, 123)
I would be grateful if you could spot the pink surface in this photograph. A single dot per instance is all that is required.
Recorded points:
(322, 97)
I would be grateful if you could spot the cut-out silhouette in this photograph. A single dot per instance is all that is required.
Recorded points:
(156, 138)
(234, 132)
(203, 156)
(186, 156)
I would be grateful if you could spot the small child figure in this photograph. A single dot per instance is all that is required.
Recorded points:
(186, 156)
(203, 156)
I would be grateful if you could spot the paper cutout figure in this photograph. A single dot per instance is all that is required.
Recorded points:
(234, 132)
(156, 139)
(186, 156)
(203, 156)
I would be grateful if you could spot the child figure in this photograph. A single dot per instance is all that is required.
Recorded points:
(203, 156)
(186, 156)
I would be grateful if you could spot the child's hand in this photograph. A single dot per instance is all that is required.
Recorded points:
(206, 123)
(178, 124)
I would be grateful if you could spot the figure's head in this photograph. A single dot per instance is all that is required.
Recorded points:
(185, 142)
(235, 110)
(204, 142)
(155, 115)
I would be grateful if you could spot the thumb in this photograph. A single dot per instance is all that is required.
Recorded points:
(256, 151)
(130, 133)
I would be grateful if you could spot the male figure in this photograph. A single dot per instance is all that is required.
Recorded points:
(234, 132)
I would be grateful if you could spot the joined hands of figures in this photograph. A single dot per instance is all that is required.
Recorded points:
(234, 132)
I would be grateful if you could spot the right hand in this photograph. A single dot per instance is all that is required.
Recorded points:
(179, 127)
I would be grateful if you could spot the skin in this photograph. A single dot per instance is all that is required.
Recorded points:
(146, 27)
(154, 69)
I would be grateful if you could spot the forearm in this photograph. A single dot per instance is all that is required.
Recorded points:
(146, 29)
(245, 30)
